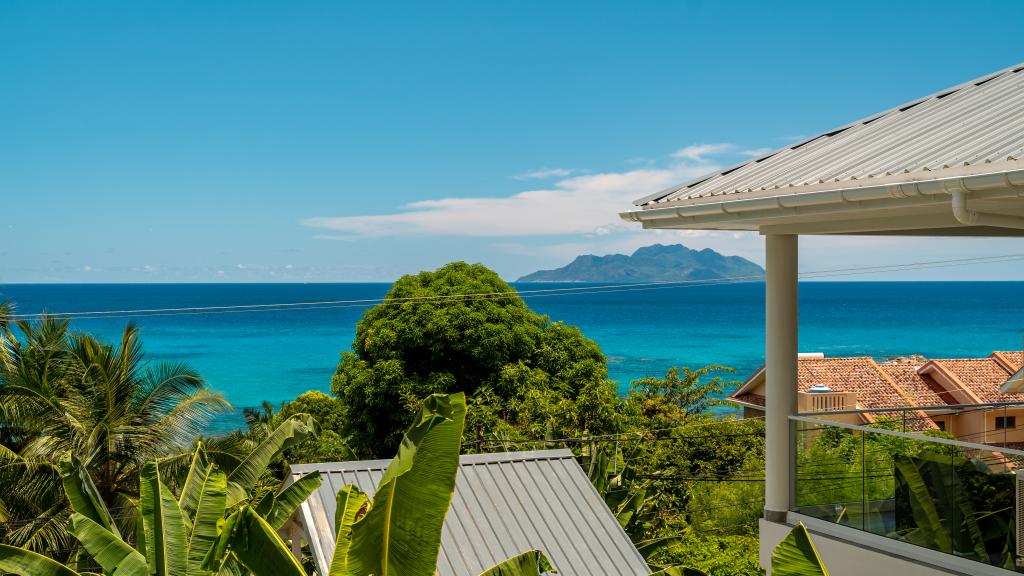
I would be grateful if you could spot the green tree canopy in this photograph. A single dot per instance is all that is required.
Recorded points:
(67, 397)
(463, 329)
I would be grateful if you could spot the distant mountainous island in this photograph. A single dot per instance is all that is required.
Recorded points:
(657, 263)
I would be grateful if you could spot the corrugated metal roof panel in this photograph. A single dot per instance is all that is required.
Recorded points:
(976, 123)
(504, 504)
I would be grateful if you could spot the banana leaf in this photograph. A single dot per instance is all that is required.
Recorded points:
(257, 546)
(797, 556)
(163, 525)
(284, 504)
(401, 533)
(203, 501)
(531, 563)
(648, 548)
(599, 466)
(244, 477)
(112, 554)
(931, 530)
(217, 556)
(352, 504)
(23, 562)
(84, 496)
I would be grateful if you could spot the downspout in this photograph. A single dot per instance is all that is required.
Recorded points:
(968, 217)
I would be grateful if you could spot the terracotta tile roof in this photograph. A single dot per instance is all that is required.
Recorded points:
(861, 375)
(921, 387)
(1014, 360)
(900, 384)
(913, 420)
(982, 376)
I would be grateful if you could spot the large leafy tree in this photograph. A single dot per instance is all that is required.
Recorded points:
(462, 329)
(69, 399)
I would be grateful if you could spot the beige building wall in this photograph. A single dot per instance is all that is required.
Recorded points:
(980, 426)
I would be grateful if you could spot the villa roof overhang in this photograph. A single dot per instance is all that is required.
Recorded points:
(1015, 384)
(950, 164)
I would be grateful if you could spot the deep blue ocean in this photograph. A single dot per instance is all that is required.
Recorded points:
(274, 356)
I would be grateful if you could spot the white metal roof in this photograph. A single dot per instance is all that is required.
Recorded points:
(504, 504)
(904, 164)
(976, 123)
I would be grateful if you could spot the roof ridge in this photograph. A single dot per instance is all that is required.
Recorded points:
(464, 460)
(949, 374)
(1004, 362)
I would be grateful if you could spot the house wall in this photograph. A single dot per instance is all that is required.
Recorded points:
(980, 426)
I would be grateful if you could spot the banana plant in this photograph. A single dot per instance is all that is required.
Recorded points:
(398, 531)
(929, 480)
(628, 499)
(187, 535)
(797, 556)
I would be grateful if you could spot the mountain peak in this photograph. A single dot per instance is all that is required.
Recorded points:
(654, 263)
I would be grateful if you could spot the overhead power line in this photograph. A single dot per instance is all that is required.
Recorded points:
(534, 293)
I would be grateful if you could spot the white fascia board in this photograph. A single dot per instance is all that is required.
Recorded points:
(751, 210)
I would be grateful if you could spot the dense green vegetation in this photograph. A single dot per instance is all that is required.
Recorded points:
(207, 529)
(686, 485)
(532, 383)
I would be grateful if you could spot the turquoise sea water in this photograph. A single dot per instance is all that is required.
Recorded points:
(252, 357)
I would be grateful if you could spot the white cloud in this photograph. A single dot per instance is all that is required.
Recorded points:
(700, 152)
(756, 152)
(584, 204)
(546, 173)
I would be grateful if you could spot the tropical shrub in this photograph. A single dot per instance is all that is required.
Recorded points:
(329, 445)
(428, 337)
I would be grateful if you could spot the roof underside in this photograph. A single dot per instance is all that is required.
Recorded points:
(504, 504)
(890, 173)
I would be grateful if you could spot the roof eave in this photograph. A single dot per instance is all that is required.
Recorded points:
(1014, 385)
(750, 211)
(745, 404)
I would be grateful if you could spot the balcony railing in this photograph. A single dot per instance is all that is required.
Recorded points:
(933, 491)
(826, 401)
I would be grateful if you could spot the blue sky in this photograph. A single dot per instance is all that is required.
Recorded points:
(272, 141)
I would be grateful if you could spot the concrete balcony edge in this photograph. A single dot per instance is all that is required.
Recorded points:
(848, 552)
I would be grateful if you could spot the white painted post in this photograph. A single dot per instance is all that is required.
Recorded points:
(781, 370)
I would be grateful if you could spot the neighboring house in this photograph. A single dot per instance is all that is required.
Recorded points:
(950, 164)
(504, 504)
(846, 385)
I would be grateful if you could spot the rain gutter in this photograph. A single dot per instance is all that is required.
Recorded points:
(998, 185)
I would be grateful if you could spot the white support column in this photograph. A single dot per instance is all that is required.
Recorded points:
(781, 370)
